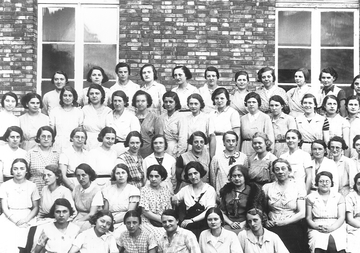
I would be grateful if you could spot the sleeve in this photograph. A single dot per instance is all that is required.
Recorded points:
(235, 246)
(202, 242)
(192, 244)
(134, 196)
(152, 243)
(265, 189)
(63, 159)
(120, 241)
(279, 246)
(135, 124)
(112, 245)
(180, 195)
(144, 199)
(45, 104)
(307, 163)
(157, 125)
(182, 144)
(234, 119)
(98, 199)
(42, 239)
(109, 120)
(352, 172)
(52, 119)
(35, 192)
(241, 237)
(345, 124)
(210, 194)
(68, 196)
(268, 129)
(213, 167)
(291, 123)
(211, 126)
(350, 206)
(79, 240)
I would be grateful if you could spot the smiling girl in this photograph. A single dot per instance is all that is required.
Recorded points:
(99, 238)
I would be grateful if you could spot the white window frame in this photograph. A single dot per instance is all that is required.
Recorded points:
(79, 37)
(316, 40)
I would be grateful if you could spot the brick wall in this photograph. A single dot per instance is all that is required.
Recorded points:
(18, 35)
(229, 34)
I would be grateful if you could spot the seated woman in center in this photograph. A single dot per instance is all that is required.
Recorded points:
(286, 204)
(198, 197)
(237, 196)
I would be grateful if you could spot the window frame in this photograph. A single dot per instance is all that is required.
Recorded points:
(315, 47)
(79, 44)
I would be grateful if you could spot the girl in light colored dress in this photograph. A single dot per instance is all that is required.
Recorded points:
(66, 117)
(148, 75)
(120, 196)
(95, 114)
(224, 117)
(311, 125)
(103, 159)
(281, 123)
(296, 94)
(32, 119)
(254, 121)
(121, 119)
(59, 235)
(20, 204)
(339, 126)
(10, 151)
(174, 126)
(87, 196)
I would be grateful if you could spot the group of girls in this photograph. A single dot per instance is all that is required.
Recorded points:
(260, 157)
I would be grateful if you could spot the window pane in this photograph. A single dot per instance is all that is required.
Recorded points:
(337, 29)
(342, 60)
(103, 28)
(47, 86)
(290, 59)
(100, 55)
(59, 24)
(294, 28)
(58, 57)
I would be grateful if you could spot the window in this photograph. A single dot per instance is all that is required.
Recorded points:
(74, 38)
(317, 38)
